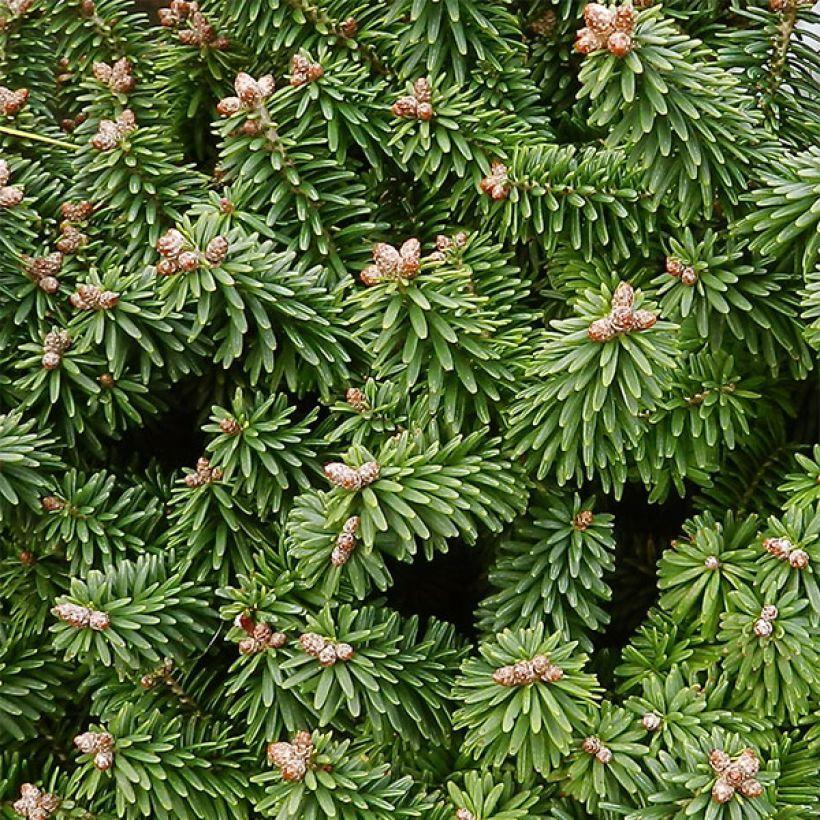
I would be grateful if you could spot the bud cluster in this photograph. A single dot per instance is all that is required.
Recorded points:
(607, 27)
(622, 318)
(90, 297)
(686, 273)
(445, 244)
(250, 94)
(345, 542)
(784, 550)
(351, 478)
(326, 652)
(111, 132)
(181, 255)
(11, 102)
(55, 345)
(496, 184)
(392, 264)
(81, 617)
(582, 520)
(464, 814)
(230, 426)
(193, 28)
(735, 774)
(416, 106)
(259, 637)
(349, 28)
(117, 77)
(10, 195)
(593, 746)
(292, 759)
(43, 270)
(205, 474)
(357, 399)
(303, 71)
(34, 803)
(526, 672)
(763, 625)
(71, 237)
(99, 744)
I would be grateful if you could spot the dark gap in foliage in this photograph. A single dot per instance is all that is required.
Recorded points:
(174, 439)
(642, 531)
(449, 587)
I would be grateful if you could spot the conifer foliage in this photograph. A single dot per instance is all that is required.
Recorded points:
(408, 409)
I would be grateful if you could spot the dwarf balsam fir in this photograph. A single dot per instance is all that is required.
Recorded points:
(407, 409)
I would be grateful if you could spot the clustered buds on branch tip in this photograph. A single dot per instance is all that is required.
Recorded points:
(259, 636)
(180, 255)
(326, 652)
(303, 71)
(111, 132)
(527, 672)
(582, 520)
(55, 344)
(230, 426)
(351, 478)
(90, 297)
(686, 273)
(357, 399)
(99, 744)
(250, 94)
(622, 318)
(71, 237)
(392, 264)
(34, 803)
(735, 774)
(784, 550)
(415, 106)
(198, 31)
(496, 184)
(81, 617)
(50, 503)
(292, 759)
(43, 270)
(205, 474)
(345, 542)
(763, 625)
(445, 244)
(607, 27)
(593, 746)
(117, 77)
(11, 102)
(10, 195)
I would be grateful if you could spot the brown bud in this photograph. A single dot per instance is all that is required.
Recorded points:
(583, 520)
(711, 562)
(327, 657)
(344, 651)
(591, 745)
(763, 629)
(799, 559)
(719, 760)
(604, 755)
(722, 792)
(769, 612)
(217, 250)
(51, 503)
(751, 788)
(598, 17)
(651, 722)
(230, 427)
(349, 28)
